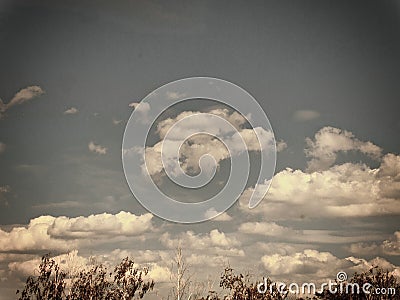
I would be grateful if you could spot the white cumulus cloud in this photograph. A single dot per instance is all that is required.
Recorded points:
(196, 146)
(348, 190)
(329, 141)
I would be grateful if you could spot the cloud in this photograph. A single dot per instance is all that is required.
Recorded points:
(175, 95)
(313, 264)
(48, 233)
(117, 122)
(143, 109)
(157, 261)
(211, 213)
(196, 146)
(361, 265)
(2, 147)
(329, 141)
(282, 233)
(387, 247)
(389, 176)
(141, 256)
(97, 148)
(22, 96)
(59, 205)
(122, 224)
(184, 129)
(3, 191)
(309, 261)
(190, 240)
(114, 237)
(71, 111)
(306, 115)
(280, 248)
(159, 273)
(265, 228)
(224, 217)
(390, 167)
(280, 146)
(348, 190)
(69, 262)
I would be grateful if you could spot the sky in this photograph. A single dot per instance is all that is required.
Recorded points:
(326, 74)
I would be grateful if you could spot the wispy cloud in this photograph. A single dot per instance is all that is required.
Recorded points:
(389, 246)
(95, 148)
(71, 111)
(175, 95)
(2, 147)
(306, 115)
(281, 145)
(22, 96)
(117, 122)
(3, 191)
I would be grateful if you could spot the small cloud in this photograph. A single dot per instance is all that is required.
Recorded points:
(2, 147)
(4, 190)
(281, 145)
(22, 96)
(306, 115)
(57, 205)
(175, 95)
(35, 170)
(142, 108)
(117, 122)
(71, 111)
(97, 148)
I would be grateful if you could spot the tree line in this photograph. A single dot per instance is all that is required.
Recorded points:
(128, 281)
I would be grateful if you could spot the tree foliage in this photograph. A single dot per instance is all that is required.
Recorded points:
(50, 283)
(125, 282)
(240, 287)
(382, 285)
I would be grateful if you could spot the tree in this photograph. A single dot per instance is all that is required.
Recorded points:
(382, 285)
(125, 282)
(49, 284)
(180, 276)
(240, 287)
